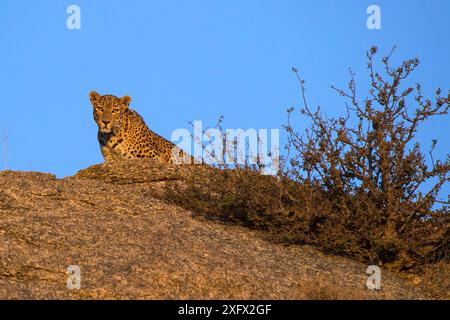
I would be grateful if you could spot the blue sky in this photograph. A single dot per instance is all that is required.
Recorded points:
(194, 60)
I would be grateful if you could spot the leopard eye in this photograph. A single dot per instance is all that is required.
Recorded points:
(100, 109)
(115, 110)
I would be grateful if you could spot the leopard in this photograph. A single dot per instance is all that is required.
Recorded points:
(124, 135)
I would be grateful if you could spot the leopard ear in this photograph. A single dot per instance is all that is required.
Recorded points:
(125, 100)
(93, 96)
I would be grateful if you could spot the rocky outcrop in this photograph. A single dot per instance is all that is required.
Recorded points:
(113, 222)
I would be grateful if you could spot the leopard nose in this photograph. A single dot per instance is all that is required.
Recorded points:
(105, 122)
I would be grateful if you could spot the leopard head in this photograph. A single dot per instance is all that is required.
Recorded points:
(109, 111)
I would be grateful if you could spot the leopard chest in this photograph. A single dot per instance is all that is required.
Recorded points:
(114, 144)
